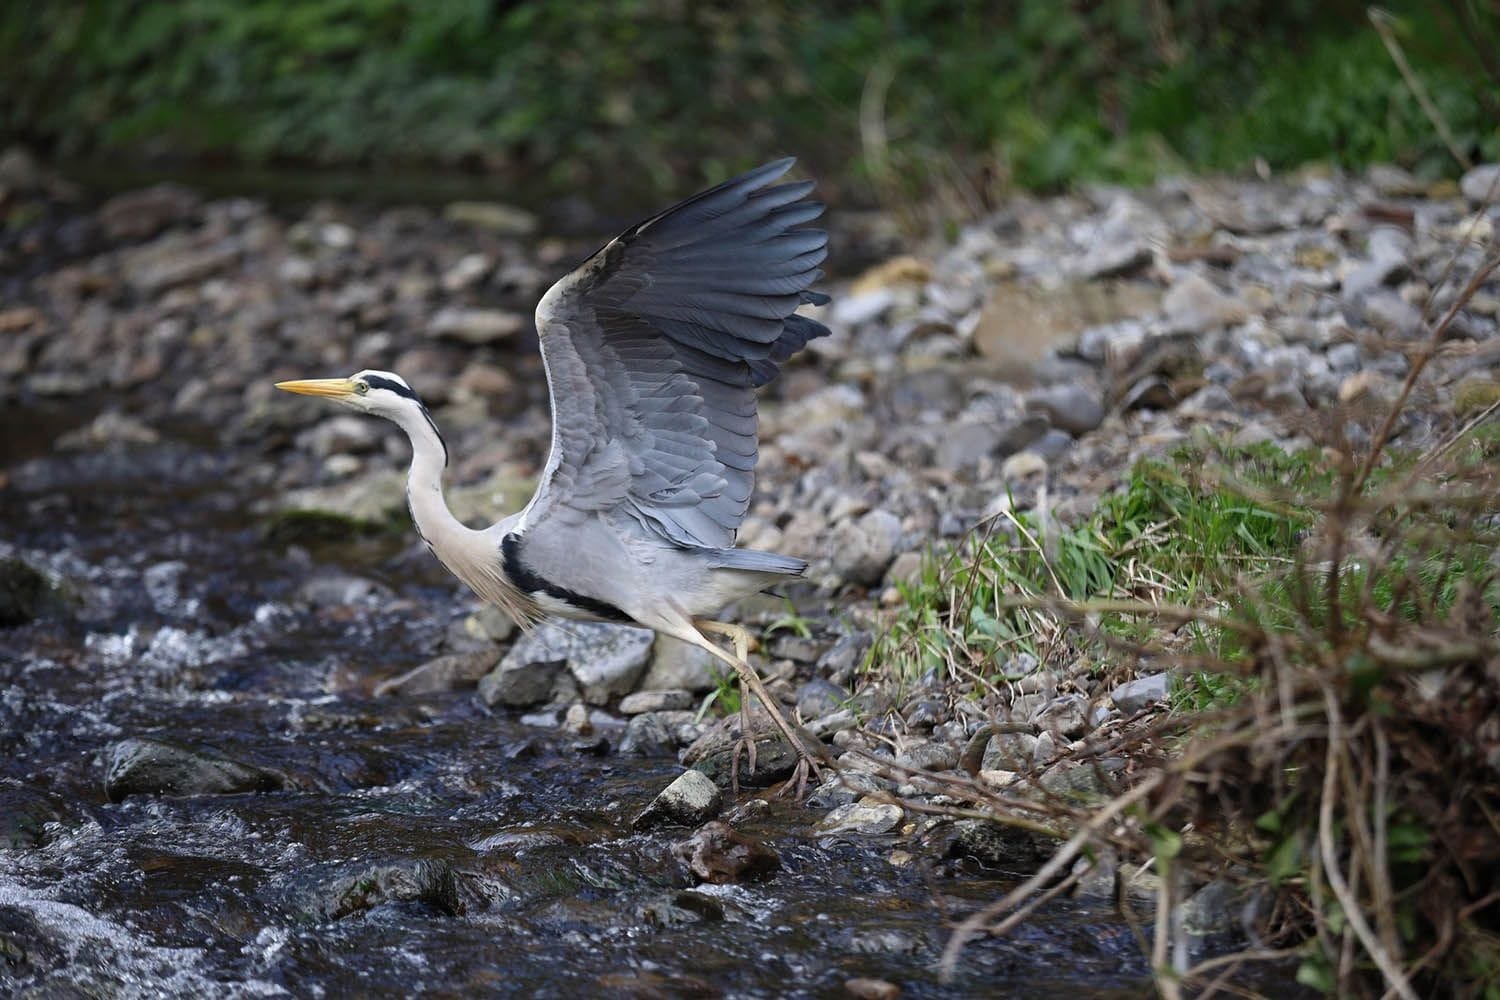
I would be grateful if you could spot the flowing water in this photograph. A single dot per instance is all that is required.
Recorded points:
(522, 874)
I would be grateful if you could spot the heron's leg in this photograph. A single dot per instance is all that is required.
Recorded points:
(741, 639)
(807, 763)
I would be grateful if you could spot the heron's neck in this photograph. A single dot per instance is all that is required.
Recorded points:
(424, 484)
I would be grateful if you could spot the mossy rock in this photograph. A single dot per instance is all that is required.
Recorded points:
(25, 593)
(312, 527)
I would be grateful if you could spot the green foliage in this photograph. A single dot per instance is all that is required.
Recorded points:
(630, 94)
(1169, 536)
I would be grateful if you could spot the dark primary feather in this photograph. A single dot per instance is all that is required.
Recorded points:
(655, 346)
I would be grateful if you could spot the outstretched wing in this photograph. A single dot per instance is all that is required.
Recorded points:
(654, 348)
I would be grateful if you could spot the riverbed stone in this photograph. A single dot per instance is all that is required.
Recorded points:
(661, 733)
(24, 592)
(444, 673)
(864, 819)
(667, 700)
(1195, 305)
(149, 766)
(719, 854)
(1481, 184)
(1142, 692)
(861, 550)
(1070, 407)
(428, 880)
(677, 665)
(690, 800)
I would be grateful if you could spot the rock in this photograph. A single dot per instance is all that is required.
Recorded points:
(1066, 715)
(865, 819)
(933, 756)
(719, 854)
(176, 259)
(679, 665)
(143, 766)
(652, 733)
(965, 445)
(1070, 407)
(468, 271)
(861, 307)
(1474, 394)
(1022, 465)
(667, 700)
(789, 646)
(818, 698)
(25, 594)
(1391, 181)
(906, 569)
(335, 589)
(24, 815)
(605, 661)
(1115, 259)
(861, 550)
(1021, 324)
(445, 673)
(1366, 383)
(476, 326)
(713, 753)
(1481, 184)
(1387, 312)
(863, 988)
(504, 220)
(997, 845)
(523, 684)
(136, 215)
(490, 624)
(1009, 752)
(690, 800)
(428, 881)
(903, 270)
(1133, 696)
(845, 656)
(1194, 305)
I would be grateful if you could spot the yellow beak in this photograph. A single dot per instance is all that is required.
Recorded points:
(337, 388)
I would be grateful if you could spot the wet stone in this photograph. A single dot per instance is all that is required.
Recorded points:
(158, 767)
(1073, 408)
(24, 593)
(660, 733)
(640, 702)
(719, 854)
(689, 800)
(713, 753)
(860, 818)
(428, 881)
(998, 845)
(445, 673)
(604, 661)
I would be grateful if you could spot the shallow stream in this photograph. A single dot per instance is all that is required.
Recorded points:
(418, 845)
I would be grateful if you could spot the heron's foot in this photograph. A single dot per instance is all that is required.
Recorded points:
(807, 767)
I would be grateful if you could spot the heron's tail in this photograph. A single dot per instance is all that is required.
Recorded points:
(755, 561)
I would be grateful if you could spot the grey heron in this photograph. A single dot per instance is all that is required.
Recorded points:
(653, 348)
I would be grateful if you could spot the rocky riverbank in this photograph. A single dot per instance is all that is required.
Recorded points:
(1036, 355)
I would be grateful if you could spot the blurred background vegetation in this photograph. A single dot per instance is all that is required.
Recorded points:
(895, 96)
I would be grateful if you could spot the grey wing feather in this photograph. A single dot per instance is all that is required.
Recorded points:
(654, 348)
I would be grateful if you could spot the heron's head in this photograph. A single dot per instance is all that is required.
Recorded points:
(385, 394)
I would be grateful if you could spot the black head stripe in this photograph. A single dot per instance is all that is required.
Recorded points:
(380, 382)
(401, 389)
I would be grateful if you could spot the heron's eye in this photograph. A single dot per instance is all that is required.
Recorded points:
(361, 387)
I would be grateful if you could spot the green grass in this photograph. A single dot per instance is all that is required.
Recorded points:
(1216, 532)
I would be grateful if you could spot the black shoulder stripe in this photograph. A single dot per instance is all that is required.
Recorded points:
(529, 581)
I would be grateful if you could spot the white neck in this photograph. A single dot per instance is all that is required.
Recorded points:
(472, 556)
(424, 482)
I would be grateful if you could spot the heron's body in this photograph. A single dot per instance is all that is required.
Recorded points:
(654, 348)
